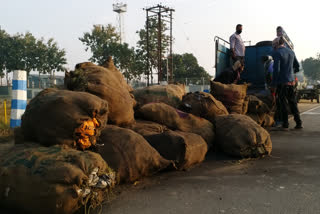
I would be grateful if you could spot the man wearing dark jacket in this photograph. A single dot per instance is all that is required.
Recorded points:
(231, 75)
(284, 79)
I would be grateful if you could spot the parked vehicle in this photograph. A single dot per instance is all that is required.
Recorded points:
(311, 92)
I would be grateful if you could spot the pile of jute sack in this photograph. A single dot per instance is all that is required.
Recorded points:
(75, 144)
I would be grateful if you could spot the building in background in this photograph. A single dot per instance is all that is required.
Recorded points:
(45, 81)
(34, 85)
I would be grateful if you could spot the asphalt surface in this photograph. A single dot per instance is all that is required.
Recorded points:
(288, 182)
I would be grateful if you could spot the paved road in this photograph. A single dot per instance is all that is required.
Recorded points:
(288, 182)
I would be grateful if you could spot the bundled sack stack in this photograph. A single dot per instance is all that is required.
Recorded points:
(129, 154)
(240, 136)
(231, 95)
(177, 120)
(170, 94)
(259, 111)
(107, 83)
(55, 174)
(185, 149)
(54, 179)
(64, 117)
(203, 105)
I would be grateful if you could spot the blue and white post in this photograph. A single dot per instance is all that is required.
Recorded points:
(19, 97)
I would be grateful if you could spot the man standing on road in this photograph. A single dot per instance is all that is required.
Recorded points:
(237, 45)
(284, 80)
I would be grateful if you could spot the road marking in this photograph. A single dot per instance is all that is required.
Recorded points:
(309, 111)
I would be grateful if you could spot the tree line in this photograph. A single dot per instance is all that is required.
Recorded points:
(311, 67)
(104, 41)
(25, 52)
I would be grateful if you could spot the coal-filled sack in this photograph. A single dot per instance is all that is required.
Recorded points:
(268, 121)
(177, 120)
(169, 94)
(245, 105)
(231, 95)
(240, 136)
(146, 128)
(57, 179)
(203, 105)
(129, 154)
(259, 118)
(259, 111)
(185, 149)
(64, 117)
(255, 105)
(107, 83)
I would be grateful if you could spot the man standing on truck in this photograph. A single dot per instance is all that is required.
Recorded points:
(237, 45)
(283, 78)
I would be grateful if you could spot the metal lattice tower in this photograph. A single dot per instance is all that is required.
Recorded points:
(120, 9)
(162, 14)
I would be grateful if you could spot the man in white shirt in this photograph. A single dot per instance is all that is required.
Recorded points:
(237, 46)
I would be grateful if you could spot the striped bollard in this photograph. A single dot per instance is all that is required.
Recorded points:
(19, 97)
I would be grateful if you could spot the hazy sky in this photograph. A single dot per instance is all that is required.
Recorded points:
(195, 22)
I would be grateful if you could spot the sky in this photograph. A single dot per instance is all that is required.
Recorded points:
(195, 23)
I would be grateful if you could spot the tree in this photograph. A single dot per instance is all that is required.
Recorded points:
(30, 54)
(25, 52)
(186, 66)
(54, 58)
(16, 53)
(104, 41)
(153, 45)
(311, 67)
(4, 37)
(49, 58)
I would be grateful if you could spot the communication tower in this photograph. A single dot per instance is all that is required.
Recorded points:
(120, 9)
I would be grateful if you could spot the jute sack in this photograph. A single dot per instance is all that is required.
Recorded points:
(64, 117)
(170, 94)
(203, 105)
(258, 111)
(245, 106)
(259, 118)
(231, 95)
(146, 128)
(268, 121)
(240, 136)
(255, 105)
(185, 149)
(129, 154)
(55, 179)
(107, 83)
(177, 120)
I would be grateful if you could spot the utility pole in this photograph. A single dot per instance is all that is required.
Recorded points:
(148, 51)
(163, 14)
(171, 56)
(160, 74)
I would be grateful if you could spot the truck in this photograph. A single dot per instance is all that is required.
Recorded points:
(310, 92)
(254, 72)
